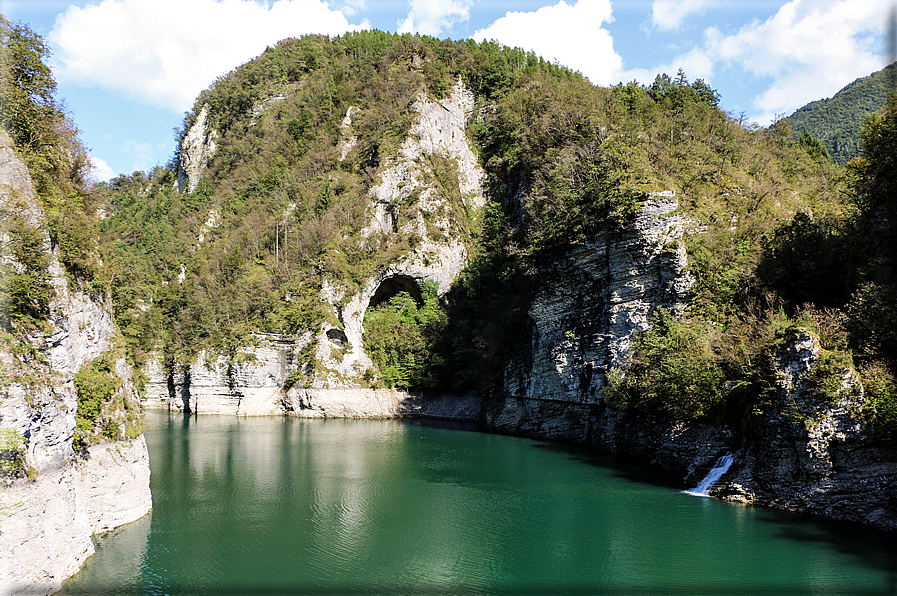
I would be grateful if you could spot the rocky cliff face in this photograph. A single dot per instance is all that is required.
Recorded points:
(197, 147)
(593, 299)
(259, 379)
(46, 525)
(258, 383)
(439, 254)
(814, 454)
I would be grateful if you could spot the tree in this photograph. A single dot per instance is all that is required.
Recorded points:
(813, 147)
(874, 174)
(675, 93)
(27, 106)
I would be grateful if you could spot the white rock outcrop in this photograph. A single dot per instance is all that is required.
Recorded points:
(46, 524)
(249, 384)
(440, 253)
(591, 301)
(197, 147)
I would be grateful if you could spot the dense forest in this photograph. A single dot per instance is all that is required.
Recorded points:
(836, 122)
(790, 239)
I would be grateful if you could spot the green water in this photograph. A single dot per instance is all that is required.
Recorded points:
(288, 506)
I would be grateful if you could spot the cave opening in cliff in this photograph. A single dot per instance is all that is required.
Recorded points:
(337, 337)
(391, 286)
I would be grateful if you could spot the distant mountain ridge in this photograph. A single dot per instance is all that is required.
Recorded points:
(836, 122)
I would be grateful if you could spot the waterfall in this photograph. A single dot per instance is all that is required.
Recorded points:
(721, 467)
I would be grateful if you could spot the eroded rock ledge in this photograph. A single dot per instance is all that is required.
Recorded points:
(47, 523)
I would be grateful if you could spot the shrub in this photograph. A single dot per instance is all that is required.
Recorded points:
(12, 452)
(672, 370)
(398, 336)
(880, 407)
(103, 410)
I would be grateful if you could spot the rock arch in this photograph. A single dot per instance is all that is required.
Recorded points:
(390, 286)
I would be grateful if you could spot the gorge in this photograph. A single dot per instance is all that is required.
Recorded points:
(380, 226)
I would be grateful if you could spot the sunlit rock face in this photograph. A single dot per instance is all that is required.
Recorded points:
(197, 147)
(46, 524)
(439, 253)
(249, 383)
(591, 301)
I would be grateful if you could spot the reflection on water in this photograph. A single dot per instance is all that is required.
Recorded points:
(283, 506)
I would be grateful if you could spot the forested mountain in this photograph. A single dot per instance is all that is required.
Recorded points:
(836, 122)
(273, 214)
(301, 137)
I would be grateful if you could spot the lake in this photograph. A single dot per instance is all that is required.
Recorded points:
(292, 506)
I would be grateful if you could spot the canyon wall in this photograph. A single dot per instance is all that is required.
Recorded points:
(46, 520)
(814, 453)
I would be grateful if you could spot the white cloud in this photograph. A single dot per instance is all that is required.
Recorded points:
(351, 7)
(570, 34)
(100, 170)
(431, 17)
(164, 52)
(143, 155)
(807, 50)
(669, 14)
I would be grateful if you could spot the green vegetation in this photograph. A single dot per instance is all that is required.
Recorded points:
(12, 453)
(790, 240)
(836, 122)
(832, 273)
(104, 411)
(24, 293)
(673, 371)
(289, 211)
(399, 335)
(47, 142)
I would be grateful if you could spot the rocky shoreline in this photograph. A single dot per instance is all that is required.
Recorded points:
(47, 523)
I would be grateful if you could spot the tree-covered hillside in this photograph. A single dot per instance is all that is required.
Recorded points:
(303, 133)
(836, 122)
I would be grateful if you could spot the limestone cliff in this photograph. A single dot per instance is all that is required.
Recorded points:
(440, 253)
(813, 454)
(46, 523)
(590, 302)
(296, 375)
(197, 147)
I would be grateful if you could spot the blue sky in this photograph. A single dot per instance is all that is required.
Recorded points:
(129, 69)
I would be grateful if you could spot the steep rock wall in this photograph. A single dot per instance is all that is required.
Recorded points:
(257, 383)
(197, 147)
(249, 384)
(45, 526)
(593, 298)
(440, 252)
(814, 454)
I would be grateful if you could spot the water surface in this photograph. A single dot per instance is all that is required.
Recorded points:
(290, 506)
